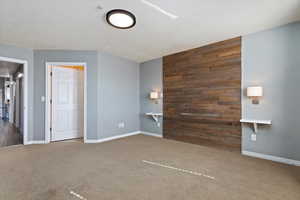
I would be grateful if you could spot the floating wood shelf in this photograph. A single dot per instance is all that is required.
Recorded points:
(256, 122)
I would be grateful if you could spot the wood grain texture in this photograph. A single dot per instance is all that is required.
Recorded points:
(202, 94)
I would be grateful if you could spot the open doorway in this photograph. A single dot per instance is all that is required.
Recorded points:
(12, 102)
(65, 101)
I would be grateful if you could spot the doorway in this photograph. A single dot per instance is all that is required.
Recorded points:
(13, 102)
(65, 101)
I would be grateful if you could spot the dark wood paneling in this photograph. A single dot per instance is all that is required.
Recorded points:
(202, 94)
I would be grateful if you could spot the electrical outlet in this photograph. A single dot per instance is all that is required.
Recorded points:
(121, 125)
(253, 137)
(158, 124)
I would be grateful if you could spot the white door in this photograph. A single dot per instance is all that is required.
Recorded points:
(67, 114)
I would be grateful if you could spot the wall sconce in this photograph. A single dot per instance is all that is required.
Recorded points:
(255, 92)
(154, 95)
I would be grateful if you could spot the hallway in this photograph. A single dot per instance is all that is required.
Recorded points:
(11, 103)
(9, 135)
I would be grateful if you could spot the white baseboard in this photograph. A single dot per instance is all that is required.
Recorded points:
(272, 158)
(113, 138)
(35, 142)
(104, 139)
(151, 134)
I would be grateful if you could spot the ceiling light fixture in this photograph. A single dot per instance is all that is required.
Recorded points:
(121, 19)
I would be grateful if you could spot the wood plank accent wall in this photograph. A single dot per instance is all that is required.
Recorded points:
(202, 95)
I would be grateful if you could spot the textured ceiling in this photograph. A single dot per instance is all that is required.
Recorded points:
(79, 25)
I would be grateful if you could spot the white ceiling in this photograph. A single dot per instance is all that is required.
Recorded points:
(79, 25)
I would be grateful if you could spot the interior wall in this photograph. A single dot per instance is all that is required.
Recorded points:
(24, 54)
(118, 96)
(2, 96)
(150, 79)
(202, 94)
(40, 59)
(115, 81)
(21, 110)
(18, 108)
(272, 59)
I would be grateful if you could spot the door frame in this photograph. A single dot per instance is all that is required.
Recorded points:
(47, 99)
(26, 102)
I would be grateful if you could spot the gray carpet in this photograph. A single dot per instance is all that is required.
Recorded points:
(141, 168)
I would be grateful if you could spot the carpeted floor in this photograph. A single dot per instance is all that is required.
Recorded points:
(140, 168)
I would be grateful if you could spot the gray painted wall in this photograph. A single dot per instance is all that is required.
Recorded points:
(112, 94)
(272, 59)
(150, 78)
(118, 95)
(24, 54)
(40, 59)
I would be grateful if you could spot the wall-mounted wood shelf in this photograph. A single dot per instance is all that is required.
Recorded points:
(256, 122)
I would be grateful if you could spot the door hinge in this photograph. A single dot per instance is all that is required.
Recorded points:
(50, 129)
(50, 101)
(50, 73)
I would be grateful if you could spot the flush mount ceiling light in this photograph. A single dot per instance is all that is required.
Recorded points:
(121, 19)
